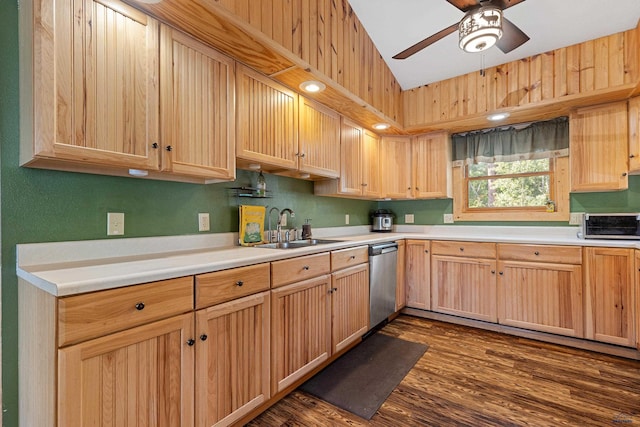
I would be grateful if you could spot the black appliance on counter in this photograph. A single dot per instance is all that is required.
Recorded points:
(611, 226)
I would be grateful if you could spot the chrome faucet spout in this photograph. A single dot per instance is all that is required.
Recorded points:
(281, 215)
(269, 233)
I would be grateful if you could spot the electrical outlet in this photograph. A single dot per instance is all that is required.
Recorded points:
(203, 221)
(408, 218)
(115, 223)
(346, 219)
(448, 218)
(576, 218)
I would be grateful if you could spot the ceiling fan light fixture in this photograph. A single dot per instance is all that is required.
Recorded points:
(480, 29)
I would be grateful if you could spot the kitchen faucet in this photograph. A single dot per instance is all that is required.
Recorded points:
(269, 234)
(279, 227)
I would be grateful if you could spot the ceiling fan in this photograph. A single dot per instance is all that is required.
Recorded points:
(481, 27)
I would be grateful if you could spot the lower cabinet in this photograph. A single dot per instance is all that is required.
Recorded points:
(540, 288)
(349, 306)
(140, 376)
(463, 279)
(301, 330)
(401, 292)
(418, 274)
(232, 359)
(609, 301)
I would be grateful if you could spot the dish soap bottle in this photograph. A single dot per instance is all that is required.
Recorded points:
(261, 186)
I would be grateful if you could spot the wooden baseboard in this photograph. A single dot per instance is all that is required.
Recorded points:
(614, 350)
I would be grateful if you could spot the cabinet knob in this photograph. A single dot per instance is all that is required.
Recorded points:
(302, 155)
(306, 267)
(461, 249)
(168, 148)
(140, 306)
(408, 188)
(631, 156)
(352, 257)
(332, 290)
(239, 283)
(426, 251)
(536, 253)
(624, 174)
(154, 145)
(363, 184)
(493, 272)
(203, 337)
(191, 342)
(417, 189)
(501, 273)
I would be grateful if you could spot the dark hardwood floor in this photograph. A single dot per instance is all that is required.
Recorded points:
(471, 377)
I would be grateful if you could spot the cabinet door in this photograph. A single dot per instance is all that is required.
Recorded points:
(431, 166)
(541, 296)
(267, 124)
(351, 158)
(141, 376)
(198, 100)
(634, 134)
(464, 287)
(319, 145)
(599, 148)
(401, 293)
(396, 167)
(232, 359)
(418, 274)
(106, 84)
(609, 295)
(349, 306)
(371, 174)
(301, 330)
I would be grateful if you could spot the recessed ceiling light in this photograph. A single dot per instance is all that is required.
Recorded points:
(381, 126)
(312, 86)
(497, 116)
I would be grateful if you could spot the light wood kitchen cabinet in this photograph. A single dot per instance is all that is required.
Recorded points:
(319, 140)
(300, 330)
(609, 295)
(540, 288)
(197, 92)
(232, 359)
(92, 97)
(143, 374)
(431, 166)
(359, 165)
(637, 297)
(418, 274)
(349, 306)
(463, 279)
(396, 167)
(599, 148)
(267, 122)
(401, 292)
(634, 134)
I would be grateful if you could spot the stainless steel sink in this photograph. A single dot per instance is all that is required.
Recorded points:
(296, 244)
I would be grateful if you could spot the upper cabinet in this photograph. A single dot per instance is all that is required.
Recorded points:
(634, 134)
(319, 140)
(599, 148)
(431, 156)
(396, 167)
(197, 93)
(96, 98)
(267, 122)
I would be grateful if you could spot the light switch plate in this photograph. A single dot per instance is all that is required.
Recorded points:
(203, 221)
(576, 218)
(115, 223)
(346, 219)
(408, 218)
(448, 218)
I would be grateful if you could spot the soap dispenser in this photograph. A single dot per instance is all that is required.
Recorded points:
(306, 229)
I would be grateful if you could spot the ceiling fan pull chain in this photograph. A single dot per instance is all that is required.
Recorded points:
(482, 64)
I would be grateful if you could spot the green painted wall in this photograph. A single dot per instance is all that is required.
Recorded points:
(43, 206)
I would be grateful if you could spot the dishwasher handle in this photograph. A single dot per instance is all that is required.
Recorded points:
(382, 248)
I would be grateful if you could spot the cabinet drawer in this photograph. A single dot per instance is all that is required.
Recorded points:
(81, 317)
(466, 249)
(344, 258)
(297, 269)
(220, 286)
(541, 253)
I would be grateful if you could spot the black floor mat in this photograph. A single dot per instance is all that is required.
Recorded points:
(362, 379)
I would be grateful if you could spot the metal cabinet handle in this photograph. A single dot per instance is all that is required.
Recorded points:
(203, 337)
(426, 251)
(191, 342)
(501, 273)
(461, 249)
(536, 253)
(631, 156)
(352, 257)
(624, 174)
(154, 145)
(140, 306)
(493, 272)
(168, 148)
(363, 184)
(239, 283)
(306, 267)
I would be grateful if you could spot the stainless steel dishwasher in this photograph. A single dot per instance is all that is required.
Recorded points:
(383, 260)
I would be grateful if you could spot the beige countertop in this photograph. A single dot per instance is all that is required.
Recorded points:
(67, 268)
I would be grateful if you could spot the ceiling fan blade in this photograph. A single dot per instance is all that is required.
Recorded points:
(426, 42)
(512, 37)
(464, 5)
(505, 4)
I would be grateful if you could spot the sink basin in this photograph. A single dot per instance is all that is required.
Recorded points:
(296, 244)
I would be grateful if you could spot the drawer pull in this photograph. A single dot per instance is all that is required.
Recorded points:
(493, 272)
(239, 283)
(501, 273)
(140, 306)
(306, 267)
(426, 251)
(203, 337)
(461, 249)
(352, 257)
(536, 253)
(191, 342)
